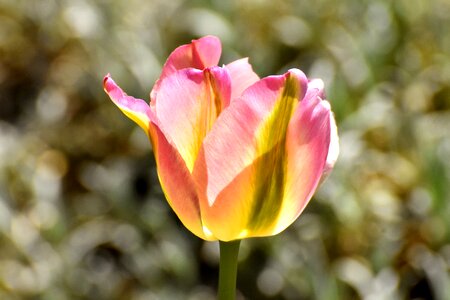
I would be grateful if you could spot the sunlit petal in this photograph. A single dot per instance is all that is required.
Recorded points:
(333, 151)
(199, 54)
(241, 171)
(177, 184)
(173, 174)
(135, 109)
(307, 144)
(316, 89)
(187, 105)
(242, 76)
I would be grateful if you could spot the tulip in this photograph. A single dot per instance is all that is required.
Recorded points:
(237, 156)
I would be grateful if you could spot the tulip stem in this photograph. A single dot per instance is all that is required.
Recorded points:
(228, 269)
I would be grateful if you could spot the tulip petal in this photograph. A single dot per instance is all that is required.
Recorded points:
(308, 142)
(135, 109)
(175, 178)
(187, 105)
(199, 54)
(242, 76)
(316, 89)
(333, 151)
(177, 184)
(244, 170)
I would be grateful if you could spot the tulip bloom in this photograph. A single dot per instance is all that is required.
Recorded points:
(237, 156)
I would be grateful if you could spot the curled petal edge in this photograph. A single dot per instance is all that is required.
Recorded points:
(135, 109)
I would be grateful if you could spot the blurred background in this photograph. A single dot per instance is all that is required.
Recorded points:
(82, 215)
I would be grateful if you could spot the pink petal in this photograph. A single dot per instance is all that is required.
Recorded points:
(199, 54)
(173, 174)
(307, 144)
(316, 89)
(333, 151)
(235, 163)
(177, 184)
(242, 76)
(187, 105)
(135, 109)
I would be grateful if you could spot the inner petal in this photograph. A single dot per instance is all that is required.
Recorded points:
(188, 103)
(270, 167)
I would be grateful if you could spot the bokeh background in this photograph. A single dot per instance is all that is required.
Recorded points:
(82, 215)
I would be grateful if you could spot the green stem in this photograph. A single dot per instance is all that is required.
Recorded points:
(228, 269)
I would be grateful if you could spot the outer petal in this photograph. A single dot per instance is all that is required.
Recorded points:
(333, 151)
(308, 141)
(177, 184)
(187, 105)
(242, 76)
(135, 109)
(243, 173)
(174, 176)
(199, 54)
(316, 89)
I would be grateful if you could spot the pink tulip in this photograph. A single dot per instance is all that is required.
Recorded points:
(237, 156)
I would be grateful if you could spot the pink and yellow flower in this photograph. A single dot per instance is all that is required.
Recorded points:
(237, 156)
